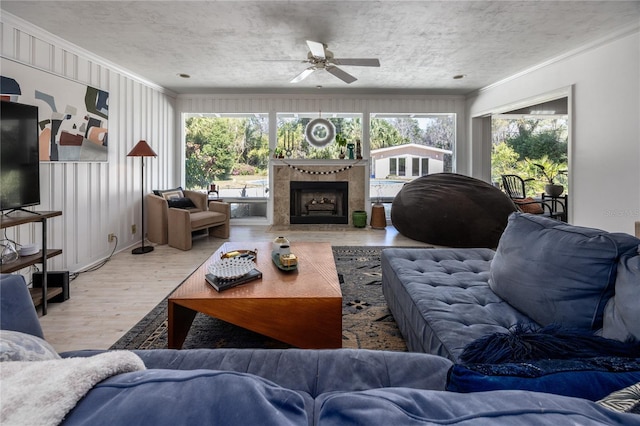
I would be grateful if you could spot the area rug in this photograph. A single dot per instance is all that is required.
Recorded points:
(366, 320)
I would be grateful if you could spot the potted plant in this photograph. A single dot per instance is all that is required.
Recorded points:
(550, 172)
(278, 153)
(341, 140)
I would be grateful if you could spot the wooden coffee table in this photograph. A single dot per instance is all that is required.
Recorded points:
(301, 307)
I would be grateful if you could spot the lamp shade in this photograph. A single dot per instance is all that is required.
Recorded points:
(142, 149)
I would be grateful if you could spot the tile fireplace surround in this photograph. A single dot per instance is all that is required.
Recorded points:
(285, 171)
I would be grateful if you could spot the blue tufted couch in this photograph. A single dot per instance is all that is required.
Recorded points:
(543, 272)
(293, 386)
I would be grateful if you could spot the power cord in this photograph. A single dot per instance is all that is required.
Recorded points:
(75, 275)
(9, 249)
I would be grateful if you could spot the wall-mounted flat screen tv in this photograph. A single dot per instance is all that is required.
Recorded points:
(19, 159)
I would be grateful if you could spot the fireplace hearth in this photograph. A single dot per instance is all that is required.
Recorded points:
(319, 202)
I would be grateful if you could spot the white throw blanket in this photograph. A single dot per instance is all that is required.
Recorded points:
(43, 392)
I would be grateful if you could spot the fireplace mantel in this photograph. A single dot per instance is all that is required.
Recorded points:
(287, 170)
(317, 162)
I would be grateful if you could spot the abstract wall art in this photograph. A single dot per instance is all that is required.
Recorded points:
(72, 117)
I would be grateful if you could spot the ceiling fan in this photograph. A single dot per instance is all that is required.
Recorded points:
(322, 59)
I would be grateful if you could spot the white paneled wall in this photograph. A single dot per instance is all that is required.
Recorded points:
(322, 103)
(96, 198)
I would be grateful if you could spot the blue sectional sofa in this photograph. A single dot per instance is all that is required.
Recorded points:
(571, 291)
(543, 272)
(290, 386)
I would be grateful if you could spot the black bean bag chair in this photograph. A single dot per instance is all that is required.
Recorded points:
(448, 209)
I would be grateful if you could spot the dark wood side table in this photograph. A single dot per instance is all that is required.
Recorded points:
(21, 218)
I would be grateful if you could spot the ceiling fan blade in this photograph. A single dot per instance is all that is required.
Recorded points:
(342, 75)
(360, 62)
(317, 49)
(304, 74)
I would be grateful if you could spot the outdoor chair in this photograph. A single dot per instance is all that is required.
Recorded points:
(515, 188)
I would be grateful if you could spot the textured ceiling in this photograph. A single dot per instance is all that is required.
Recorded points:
(258, 46)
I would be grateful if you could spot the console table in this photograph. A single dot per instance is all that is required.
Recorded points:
(39, 296)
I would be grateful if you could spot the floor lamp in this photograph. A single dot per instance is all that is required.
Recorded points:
(142, 149)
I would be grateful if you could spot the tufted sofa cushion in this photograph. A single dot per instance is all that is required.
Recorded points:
(420, 408)
(196, 397)
(441, 300)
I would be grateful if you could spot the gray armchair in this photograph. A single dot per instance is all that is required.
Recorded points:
(175, 225)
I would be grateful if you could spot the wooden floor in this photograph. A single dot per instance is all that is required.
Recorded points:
(106, 303)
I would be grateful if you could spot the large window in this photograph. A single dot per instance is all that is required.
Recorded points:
(230, 151)
(292, 142)
(407, 146)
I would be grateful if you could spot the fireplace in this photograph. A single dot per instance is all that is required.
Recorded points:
(319, 202)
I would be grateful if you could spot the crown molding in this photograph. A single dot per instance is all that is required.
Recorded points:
(617, 35)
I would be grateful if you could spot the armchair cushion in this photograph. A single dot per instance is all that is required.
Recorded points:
(181, 203)
(529, 205)
(201, 220)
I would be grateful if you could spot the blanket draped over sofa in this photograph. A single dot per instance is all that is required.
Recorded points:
(43, 392)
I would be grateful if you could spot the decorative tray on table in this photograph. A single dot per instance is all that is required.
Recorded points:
(251, 254)
(229, 272)
(293, 265)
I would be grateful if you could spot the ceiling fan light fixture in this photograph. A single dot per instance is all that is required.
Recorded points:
(321, 58)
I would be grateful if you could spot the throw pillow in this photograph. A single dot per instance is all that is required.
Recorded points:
(16, 346)
(181, 203)
(526, 342)
(621, 315)
(169, 193)
(626, 400)
(529, 205)
(588, 378)
(557, 273)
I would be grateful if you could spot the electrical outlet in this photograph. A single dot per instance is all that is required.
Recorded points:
(134, 229)
(112, 237)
